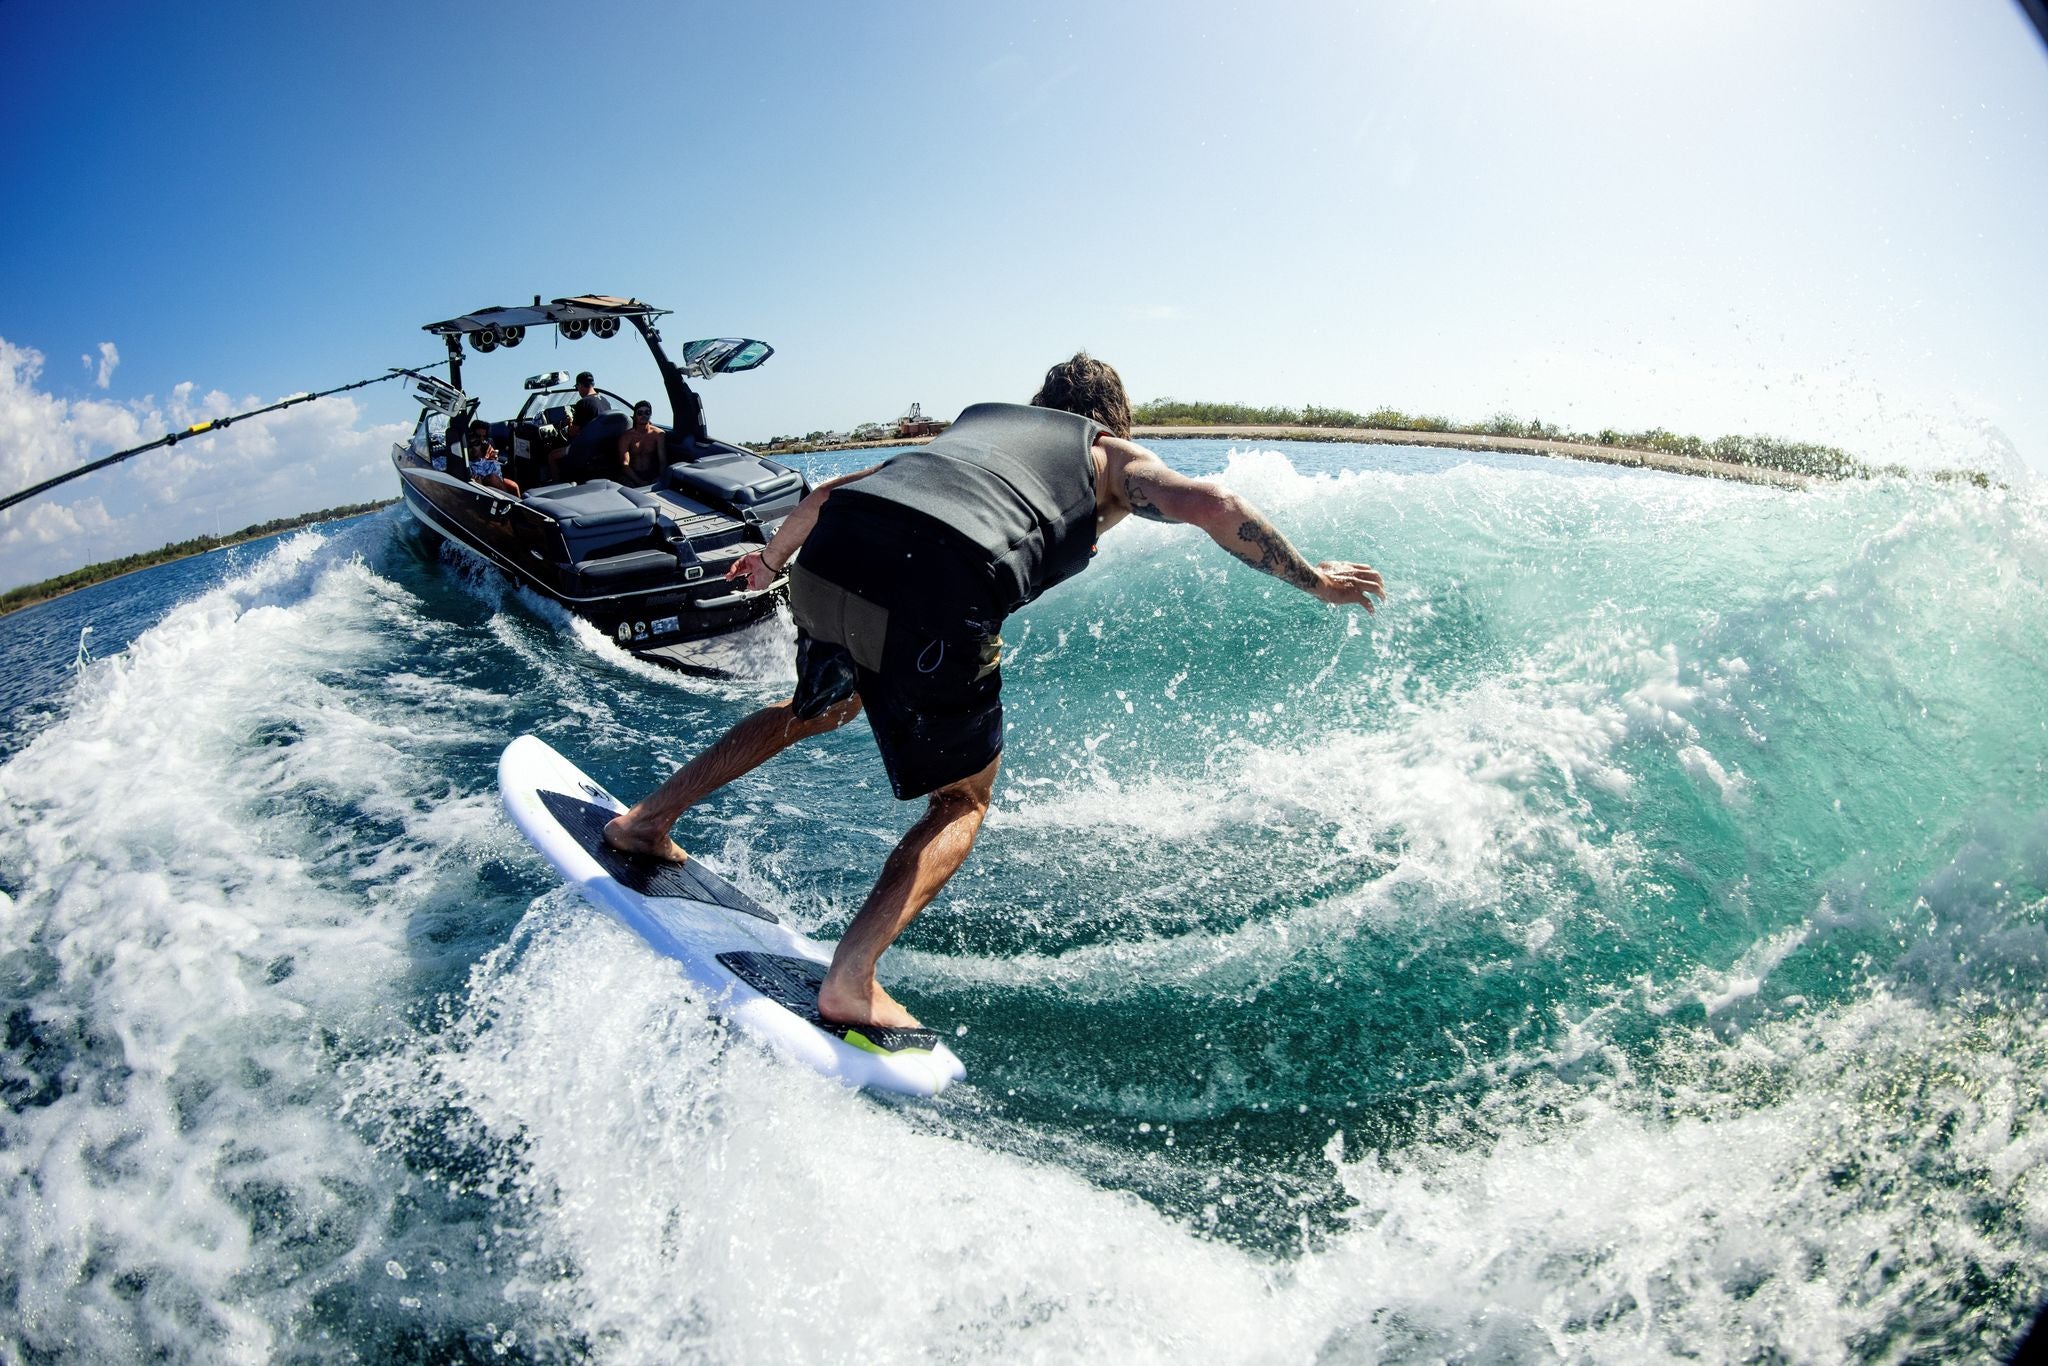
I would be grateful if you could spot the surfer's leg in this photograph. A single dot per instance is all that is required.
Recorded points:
(929, 854)
(643, 827)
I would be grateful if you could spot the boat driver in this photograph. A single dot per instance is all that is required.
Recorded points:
(589, 402)
(1002, 506)
(589, 406)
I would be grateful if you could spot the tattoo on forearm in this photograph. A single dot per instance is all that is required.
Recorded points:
(1267, 551)
(1141, 501)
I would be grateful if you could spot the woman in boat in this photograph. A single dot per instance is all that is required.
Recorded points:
(484, 467)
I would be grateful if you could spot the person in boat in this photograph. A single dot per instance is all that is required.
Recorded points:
(1007, 503)
(484, 465)
(589, 402)
(590, 405)
(643, 447)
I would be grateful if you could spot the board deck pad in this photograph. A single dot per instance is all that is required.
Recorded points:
(644, 874)
(793, 983)
(747, 968)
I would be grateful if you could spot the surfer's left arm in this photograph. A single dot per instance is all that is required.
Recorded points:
(1143, 483)
(764, 566)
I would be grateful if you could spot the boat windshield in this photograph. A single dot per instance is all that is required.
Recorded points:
(539, 402)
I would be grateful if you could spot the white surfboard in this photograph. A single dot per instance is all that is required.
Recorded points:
(757, 973)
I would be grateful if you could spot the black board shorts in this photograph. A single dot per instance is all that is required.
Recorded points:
(888, 611)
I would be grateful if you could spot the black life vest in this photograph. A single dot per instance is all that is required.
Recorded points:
(1013, 486)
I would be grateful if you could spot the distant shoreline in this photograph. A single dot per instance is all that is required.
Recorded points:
(49, 590)
(1627, 456)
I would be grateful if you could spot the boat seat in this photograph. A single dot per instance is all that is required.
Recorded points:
(596, 502)
(596, 446)
(666, 502)
(594, 516)
(607, 572)
(731, 477)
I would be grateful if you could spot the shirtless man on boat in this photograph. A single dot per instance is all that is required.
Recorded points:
(1007, 503)
(643, 447)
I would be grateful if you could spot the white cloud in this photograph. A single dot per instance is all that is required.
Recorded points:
(46, 524)
(109, 358)
(273, 466)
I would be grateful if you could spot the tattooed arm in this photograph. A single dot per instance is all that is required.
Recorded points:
(1139, 482)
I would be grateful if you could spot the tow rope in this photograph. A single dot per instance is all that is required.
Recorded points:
(198, 429)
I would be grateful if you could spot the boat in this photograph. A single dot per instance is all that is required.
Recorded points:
(641, 558)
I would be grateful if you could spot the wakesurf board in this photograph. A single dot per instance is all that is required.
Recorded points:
(755, 972)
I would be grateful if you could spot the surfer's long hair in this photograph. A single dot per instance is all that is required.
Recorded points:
(1089, 387)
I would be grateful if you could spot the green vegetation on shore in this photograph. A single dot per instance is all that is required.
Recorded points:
(1767, 452)
(1806, 458)
(34, 593)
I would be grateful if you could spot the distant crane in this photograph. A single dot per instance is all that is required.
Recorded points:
(915, 423)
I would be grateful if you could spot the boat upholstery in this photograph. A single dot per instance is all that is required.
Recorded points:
(610, 572)
(740, 479)
(595, 516)
(598, 439)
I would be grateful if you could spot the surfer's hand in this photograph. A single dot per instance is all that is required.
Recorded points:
(1344, 582)
(754, 569)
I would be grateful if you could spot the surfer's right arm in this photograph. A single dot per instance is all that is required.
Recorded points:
(1143, 484)
(764, 566)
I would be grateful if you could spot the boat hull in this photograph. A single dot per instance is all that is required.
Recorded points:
(644, 612)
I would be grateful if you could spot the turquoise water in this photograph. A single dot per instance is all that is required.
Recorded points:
(1626, 945)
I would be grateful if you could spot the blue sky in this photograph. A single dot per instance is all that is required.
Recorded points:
(1820, 220)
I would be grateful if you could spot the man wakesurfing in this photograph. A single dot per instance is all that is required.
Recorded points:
(907, 573)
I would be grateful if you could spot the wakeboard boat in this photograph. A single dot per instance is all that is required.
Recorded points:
(641, 555)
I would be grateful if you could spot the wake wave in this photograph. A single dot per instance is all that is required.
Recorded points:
(1624, 946)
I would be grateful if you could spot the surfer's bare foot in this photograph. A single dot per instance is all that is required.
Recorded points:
(853, 1004)
(629, 836)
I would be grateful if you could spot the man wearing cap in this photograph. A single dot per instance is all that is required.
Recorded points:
(589, 402)
(643, 447)
(589, 406)
(907, 572)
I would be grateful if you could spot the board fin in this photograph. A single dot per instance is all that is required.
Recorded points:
(793, 983)
(643, 873)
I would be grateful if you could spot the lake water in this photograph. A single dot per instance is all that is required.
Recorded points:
(1625, 946)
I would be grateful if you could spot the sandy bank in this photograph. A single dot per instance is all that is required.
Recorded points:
(1461, 441)
(1470, 441)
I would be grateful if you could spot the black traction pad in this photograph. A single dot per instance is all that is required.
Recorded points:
(642, 873)
(793, 983)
